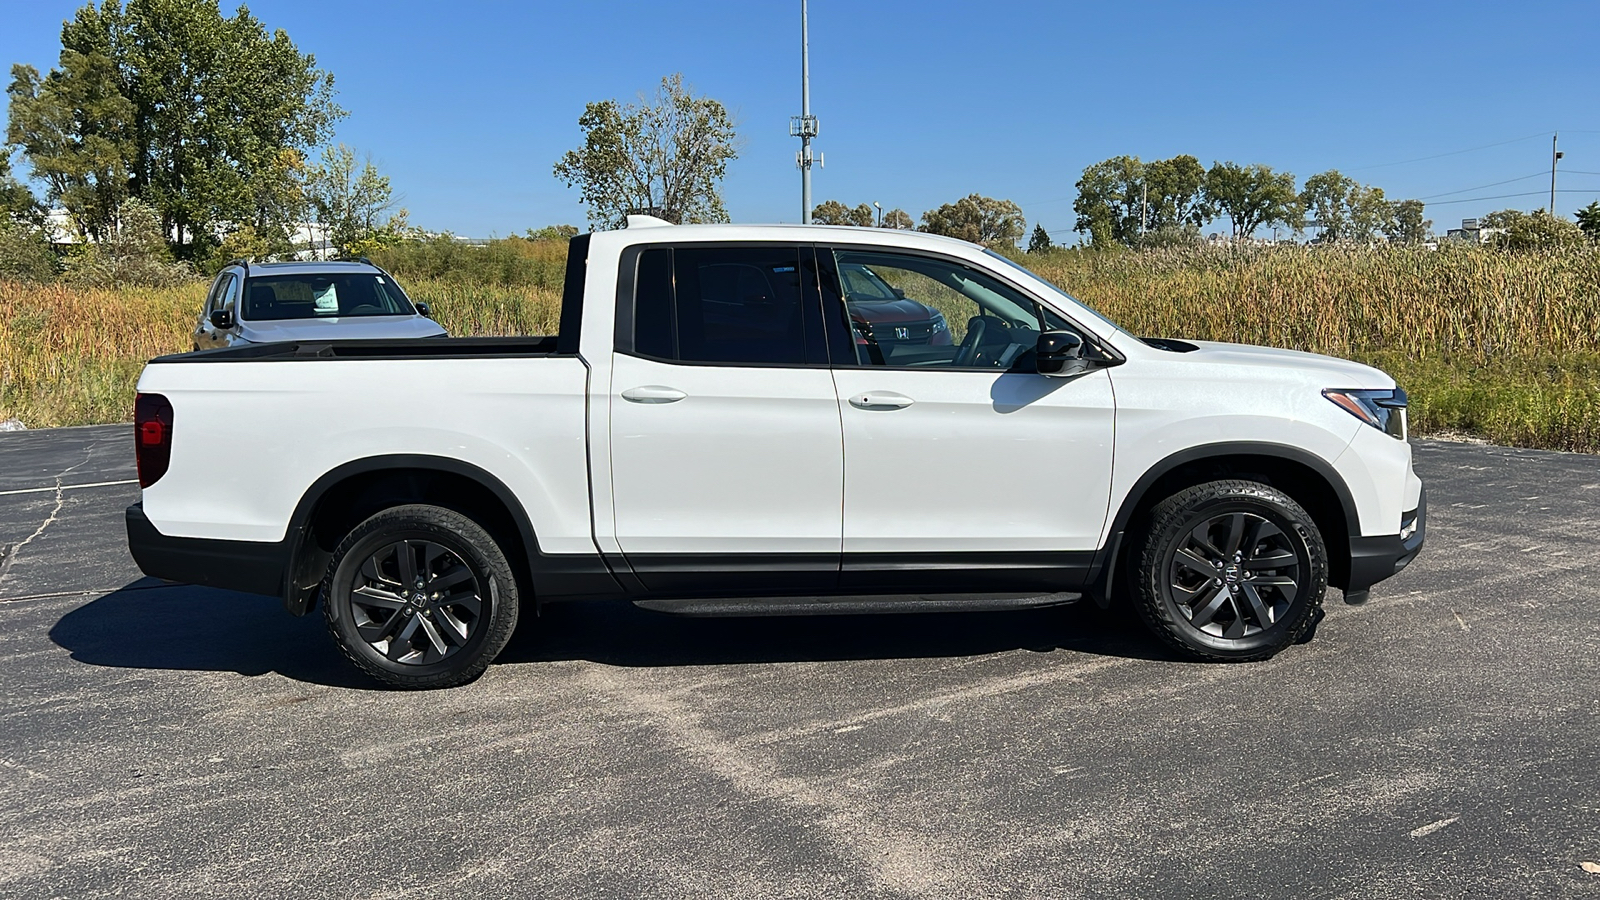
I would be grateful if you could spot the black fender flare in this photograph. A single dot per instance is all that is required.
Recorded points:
(1103, 571)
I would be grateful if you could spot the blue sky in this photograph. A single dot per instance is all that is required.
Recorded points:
(467, 105)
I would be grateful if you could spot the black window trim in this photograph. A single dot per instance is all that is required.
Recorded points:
(627, 272)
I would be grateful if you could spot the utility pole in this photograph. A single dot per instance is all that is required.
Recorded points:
(804, 126)
(1555, 156)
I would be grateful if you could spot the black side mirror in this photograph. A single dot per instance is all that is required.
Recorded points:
(899, 293)
(1060, 354)
(222, 318)
(423, 308)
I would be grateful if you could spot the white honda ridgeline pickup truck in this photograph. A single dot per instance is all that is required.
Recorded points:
(774, 412)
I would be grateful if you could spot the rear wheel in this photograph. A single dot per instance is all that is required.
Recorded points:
(1230, 571)
(420, 597)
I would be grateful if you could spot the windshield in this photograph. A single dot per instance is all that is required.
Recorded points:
(278, 297)
(1080, 304)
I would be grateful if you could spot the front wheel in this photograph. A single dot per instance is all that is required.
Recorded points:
(420, 597)
(1230, 571)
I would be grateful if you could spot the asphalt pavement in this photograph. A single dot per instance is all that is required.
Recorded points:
(1441, 741)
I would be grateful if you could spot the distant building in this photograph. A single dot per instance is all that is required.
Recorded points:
(1472, 232)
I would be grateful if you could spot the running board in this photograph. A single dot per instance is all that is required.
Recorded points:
(854, 606)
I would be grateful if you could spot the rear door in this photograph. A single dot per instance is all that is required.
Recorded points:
(726, 453)
(962, 463)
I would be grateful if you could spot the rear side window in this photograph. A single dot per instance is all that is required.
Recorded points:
(730, 305)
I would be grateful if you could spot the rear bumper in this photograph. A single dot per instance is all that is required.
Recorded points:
(249, 566)
(1372, 559)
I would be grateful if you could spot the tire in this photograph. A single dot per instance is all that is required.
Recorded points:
(456, 612)
(1230, 571)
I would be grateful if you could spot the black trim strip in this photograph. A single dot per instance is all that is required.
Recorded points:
(570, 326)
(249, 566)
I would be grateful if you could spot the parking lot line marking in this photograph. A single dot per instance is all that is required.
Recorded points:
(1431, 827)
(67, 487)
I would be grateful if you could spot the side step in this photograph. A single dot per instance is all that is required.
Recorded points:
(874, 604)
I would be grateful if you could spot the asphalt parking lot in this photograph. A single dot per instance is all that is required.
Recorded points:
(1442, 741)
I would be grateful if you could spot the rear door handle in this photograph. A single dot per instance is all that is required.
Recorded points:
(653, 393)
(881, 400)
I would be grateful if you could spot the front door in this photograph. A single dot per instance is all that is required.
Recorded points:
(726, 460)
(963, 466)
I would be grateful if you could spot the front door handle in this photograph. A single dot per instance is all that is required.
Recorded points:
(881, 400)
(653, 393)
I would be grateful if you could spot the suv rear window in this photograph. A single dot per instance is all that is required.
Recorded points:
(276, 297)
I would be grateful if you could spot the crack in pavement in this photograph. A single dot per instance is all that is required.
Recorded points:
(12, 553)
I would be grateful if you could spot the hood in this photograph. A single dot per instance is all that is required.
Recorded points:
(1338, 373)
(335, 328)
(886, 312)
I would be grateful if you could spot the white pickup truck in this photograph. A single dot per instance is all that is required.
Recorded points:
(736, 412)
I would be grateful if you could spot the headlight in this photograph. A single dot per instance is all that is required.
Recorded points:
(1383, 410)
(939, 324)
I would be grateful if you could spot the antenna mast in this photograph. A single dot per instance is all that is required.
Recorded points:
(804, 126)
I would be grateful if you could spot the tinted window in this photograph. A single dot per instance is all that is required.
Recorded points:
(276, 297)
(724, 305)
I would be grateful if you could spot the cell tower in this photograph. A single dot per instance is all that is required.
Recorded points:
(804, 126)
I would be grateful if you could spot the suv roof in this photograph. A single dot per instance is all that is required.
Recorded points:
(307, 267)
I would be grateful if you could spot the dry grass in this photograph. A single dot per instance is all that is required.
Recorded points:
(1502, 346)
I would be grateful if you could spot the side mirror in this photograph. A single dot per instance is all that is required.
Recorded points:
(222, 318)
(1060, 354)
(423, 308)
(899, 293)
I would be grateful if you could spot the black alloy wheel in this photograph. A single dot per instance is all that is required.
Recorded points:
(420, 596)
(1234, 574)
(1230, 571)
(416, 602)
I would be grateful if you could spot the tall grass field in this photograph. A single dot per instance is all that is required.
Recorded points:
(1500, 346)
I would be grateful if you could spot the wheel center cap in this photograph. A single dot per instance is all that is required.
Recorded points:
(1231, 573)
(417, 598)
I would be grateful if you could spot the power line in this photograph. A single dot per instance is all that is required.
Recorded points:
(1451, 153)
(1506, 196)
(1482, 186)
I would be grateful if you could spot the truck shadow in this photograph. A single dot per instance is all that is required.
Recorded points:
(149, 624)
(621, 634)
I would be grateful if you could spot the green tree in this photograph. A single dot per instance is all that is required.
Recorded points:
(1406, 224)
(898, 220)
(25, 253)
(1345, 210)
(17, 203)
(1039, 241)
(553, 233)
(133, 251)
(1252, 196)
(832, 212)
(668, 153)
(215, 103)
(356, 206)
(1109, 205)
(1175, 195)
(1514, 229)
(1326, 198)
(979, 219)
(76, 130)
(1589, 220)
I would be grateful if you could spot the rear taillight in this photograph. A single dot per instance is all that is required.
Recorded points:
(152, 437)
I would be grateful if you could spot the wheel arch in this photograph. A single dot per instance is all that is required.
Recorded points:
(348, 494)
(1310, 480)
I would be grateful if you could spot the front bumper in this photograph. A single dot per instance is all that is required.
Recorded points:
(1372, 559)
(249, 566)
